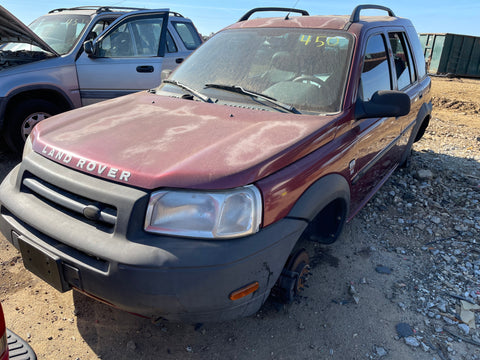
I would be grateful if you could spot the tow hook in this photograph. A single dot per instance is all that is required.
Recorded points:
(293, 278)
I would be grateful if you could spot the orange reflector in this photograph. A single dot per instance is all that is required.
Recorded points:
(244, 291)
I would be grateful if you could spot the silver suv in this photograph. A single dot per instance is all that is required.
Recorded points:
(74, 57)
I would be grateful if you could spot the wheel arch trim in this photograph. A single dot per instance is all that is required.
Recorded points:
(29, 89)
(321, 193)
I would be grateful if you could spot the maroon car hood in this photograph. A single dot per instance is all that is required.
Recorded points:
(153, 141)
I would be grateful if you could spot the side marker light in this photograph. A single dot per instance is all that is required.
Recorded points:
(244, 291)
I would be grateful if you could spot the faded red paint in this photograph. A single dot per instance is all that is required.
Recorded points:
(153, 141)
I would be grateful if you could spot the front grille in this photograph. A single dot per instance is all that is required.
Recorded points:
(100, 215)
(64, 250)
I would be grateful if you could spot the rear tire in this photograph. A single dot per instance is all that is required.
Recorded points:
(22, 118)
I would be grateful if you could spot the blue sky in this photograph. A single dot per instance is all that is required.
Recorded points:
(428, 16)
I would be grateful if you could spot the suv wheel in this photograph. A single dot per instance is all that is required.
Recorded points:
(22, 118)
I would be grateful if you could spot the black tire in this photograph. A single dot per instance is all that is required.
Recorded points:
(21, 119)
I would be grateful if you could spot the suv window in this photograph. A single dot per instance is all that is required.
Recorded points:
(417, 52)
(303, 67)
(171, 47)
(139, 37)
(98, 28)
(188, 34)
(376, 71)
(402, 60)
(60, 32)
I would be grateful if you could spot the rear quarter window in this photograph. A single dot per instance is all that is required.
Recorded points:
(188, 34)
(417, 52)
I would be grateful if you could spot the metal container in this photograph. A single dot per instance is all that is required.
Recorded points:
(453, 54)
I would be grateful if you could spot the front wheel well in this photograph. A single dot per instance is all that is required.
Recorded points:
(43, 94)
(25, 110)
(327, 225)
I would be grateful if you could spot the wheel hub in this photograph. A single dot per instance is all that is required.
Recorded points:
(293, 277)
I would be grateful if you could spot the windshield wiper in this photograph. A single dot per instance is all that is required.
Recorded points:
(240, 90)
(189, 90)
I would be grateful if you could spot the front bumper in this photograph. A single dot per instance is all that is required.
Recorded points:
(156, 276)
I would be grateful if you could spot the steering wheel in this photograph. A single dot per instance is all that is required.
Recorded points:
(310, 80)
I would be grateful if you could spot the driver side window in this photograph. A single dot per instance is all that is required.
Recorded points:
(118, 43)
(376, 70)
(136, 38)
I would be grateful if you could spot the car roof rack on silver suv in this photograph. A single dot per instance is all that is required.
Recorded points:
(176, 14)
(289, 10)
(98, 9)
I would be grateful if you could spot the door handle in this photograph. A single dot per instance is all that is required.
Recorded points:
(179, 60)
(145, 69)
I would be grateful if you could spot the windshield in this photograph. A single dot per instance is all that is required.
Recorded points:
(304, 68)
(60, 31)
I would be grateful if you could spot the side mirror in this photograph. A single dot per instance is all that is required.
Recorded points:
(89, 48)
(165, 74)
(384, 103)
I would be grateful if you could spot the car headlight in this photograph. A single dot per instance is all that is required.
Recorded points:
(27, 148)
(201, 214)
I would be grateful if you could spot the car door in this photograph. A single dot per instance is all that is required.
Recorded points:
(377, 148)
(406, 80)
(182, 39)
(127, 57)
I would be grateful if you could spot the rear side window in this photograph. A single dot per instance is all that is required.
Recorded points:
(188, 34)
(417, 52)
(376, 71)
(402, 60)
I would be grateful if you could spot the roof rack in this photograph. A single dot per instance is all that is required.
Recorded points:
(355, 17)
(175, 14)
(289, 10)
(98, 9)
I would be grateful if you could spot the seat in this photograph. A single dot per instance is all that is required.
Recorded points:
(280, 68)
(122, 44)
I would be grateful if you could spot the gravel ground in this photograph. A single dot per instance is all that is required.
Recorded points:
(402, 282)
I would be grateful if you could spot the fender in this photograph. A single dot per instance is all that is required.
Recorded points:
(32, 88)
(423, 115)
(319, 195)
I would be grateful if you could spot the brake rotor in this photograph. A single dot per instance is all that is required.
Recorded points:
(294, 275)
(301, 266)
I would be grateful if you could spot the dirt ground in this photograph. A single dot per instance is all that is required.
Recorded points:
(349, 311)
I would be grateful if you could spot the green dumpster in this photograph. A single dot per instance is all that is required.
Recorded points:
(453, 54)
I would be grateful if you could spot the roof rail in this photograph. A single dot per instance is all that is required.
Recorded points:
(97, 8)
(289, 10)
(175, 14)
(355, 17)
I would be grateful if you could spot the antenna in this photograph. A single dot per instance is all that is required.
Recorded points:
(294, 6)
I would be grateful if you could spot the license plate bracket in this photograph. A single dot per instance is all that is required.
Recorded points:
(43, 263)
